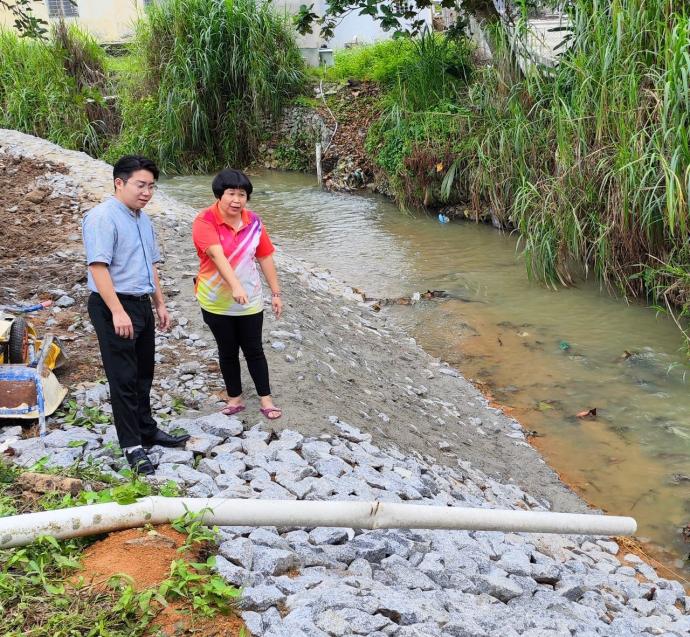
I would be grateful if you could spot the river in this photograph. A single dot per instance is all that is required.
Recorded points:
(544, 355)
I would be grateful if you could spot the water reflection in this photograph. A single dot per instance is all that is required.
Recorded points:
(545, 354)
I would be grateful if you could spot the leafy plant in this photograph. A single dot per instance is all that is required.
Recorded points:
(83, 416)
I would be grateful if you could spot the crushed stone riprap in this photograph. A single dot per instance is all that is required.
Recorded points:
(368, 416)
(344, 581)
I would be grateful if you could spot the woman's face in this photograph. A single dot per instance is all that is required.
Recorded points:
(232, 201)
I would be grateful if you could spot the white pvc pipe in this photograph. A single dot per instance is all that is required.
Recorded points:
(19, 530)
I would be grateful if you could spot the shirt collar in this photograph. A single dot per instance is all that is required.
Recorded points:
(220, 221)
(121, 206)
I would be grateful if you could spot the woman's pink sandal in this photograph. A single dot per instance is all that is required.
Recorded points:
(231, 410)
(267, 411)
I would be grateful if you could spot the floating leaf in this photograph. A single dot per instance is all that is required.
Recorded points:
(588, 413)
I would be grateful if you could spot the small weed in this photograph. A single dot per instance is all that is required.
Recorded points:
(178, 405)
(85, 417)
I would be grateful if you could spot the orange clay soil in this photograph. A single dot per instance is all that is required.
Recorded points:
(145, 555)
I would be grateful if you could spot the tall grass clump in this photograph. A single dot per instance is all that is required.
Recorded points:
(413, 141)
(212, 72)
(591, 163)
(588, 161)
(54, 89)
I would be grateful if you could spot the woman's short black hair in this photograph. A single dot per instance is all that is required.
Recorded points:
(125, 166)
(231, 178)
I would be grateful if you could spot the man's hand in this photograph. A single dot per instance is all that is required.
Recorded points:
(163, 317)
(123, 324)
(240, 295)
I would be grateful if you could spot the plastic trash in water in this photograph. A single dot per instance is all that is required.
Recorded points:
(442, 218)
(564, 346)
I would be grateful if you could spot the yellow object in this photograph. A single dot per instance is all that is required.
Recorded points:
(28, 387)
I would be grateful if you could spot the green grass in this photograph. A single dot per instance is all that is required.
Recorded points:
(54, 89)
(213, 73)
(381, 62)
(42, 595)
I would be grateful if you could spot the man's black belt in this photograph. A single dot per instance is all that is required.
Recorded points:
(134, 297)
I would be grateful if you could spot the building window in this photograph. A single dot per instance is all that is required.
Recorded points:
(62, 8)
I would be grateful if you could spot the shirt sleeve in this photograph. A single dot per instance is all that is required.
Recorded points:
(155, 248)
(99, 236)
(265, 247)
(204, 235)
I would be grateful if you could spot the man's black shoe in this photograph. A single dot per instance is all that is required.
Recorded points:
(140, 462)
(164, 439)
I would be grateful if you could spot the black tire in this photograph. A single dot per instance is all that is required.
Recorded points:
(19, 341)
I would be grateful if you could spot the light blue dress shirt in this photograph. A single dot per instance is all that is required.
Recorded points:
(126, 242)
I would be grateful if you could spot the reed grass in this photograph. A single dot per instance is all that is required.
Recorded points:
(54, 89)
(590, 162)
(212, 74)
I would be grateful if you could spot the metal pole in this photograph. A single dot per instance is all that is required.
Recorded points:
(319, 173)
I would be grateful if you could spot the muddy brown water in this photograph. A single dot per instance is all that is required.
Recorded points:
(546, 355)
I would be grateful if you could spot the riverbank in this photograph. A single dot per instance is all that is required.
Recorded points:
(334, 361)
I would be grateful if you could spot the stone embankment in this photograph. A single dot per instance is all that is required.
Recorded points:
(368, 415)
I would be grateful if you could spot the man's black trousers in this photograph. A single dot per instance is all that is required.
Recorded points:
(129, 365)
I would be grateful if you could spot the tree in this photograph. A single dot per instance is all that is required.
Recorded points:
(28, 25)
(390, 14)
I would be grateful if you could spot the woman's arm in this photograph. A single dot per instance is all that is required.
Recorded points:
(268, 267)
(216, 254)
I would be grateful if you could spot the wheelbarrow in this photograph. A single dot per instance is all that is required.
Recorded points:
(28, 388)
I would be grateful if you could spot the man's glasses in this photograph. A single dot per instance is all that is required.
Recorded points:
(142, 186)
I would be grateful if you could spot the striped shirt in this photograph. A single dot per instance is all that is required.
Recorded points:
(240, 248)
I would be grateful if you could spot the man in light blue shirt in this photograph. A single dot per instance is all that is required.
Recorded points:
(122, 253)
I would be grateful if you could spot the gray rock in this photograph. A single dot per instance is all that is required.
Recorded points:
(202, 445)
(233, 445)
(369, 547)
(252, 446)
(515, 563)
(60, 438)
(572, 588)
(64, 458)
(231, 465)
(330, 535)
(332, 466)
(175, 456)
(315, 450)
(545, 573)
(210, 467)
(362, 623)
(349, 432)
(96, 395)
(260, 598)
(65, 301)
(221, 425)
(268, 561)
(232, 573)
(239, 552)
(253, 622)
(289, 439)
(499, 587)
(268, 537)
(360, 567)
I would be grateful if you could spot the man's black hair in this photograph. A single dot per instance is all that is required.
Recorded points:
(125, 166)
(231, 178)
